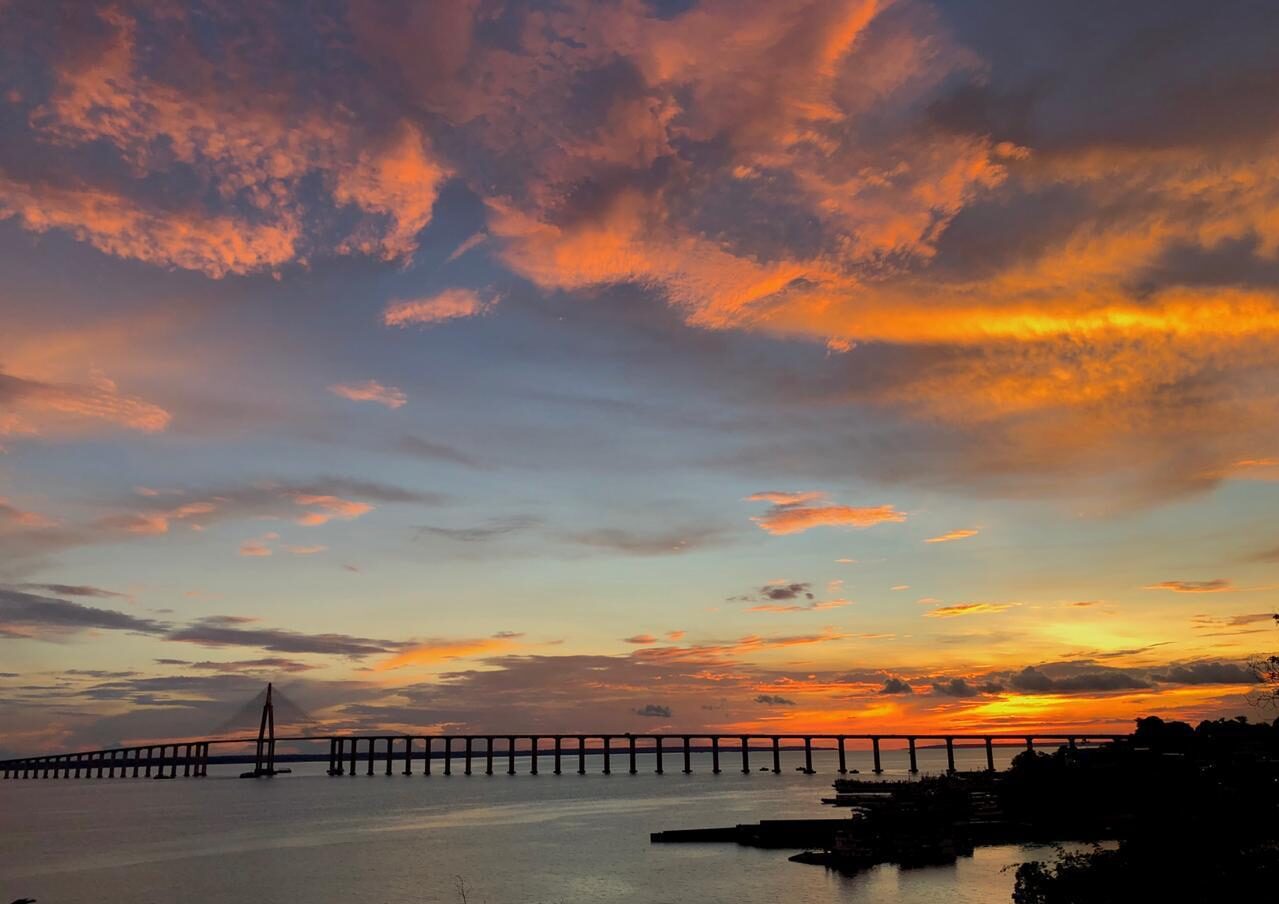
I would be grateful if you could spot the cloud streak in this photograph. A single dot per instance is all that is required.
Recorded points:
(795, 513)
(371, 391)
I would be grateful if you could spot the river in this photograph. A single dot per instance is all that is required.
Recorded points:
(519, 839)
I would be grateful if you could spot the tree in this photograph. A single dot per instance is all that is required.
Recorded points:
(1267, 670)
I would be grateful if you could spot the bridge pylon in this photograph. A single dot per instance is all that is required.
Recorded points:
(264, 760)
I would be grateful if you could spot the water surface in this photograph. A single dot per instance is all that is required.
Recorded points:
(401, 839)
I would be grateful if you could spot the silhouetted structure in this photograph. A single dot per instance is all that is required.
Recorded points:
(353, 754)
(264, 760)
(349, 754)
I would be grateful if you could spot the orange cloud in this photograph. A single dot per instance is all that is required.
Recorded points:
(1217, 585)
(120, 226)
(12, 515)
(953, 535)
(791, 513)
(304, 550)
(371, 391)
(450, 304)
(259, 547)
(435, 651)
(34, 408)
(640, 639)
(968, 609)
(251, 151)
(329, 507)
(399, 181)
(815, 606)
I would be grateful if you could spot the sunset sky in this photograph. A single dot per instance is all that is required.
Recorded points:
(721, 365)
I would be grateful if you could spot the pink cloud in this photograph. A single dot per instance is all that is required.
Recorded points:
(259, 547)
(947, 537)
(371, 391)
(1217, 585)
(451, 304)
(37, 408)
(328, 508)
(791, 513)
(968, 609)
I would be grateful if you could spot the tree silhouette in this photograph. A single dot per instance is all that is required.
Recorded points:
(1267, 670)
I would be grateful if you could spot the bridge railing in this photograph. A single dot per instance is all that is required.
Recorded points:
(351, 754)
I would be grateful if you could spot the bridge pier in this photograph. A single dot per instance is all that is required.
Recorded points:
(658, 751)
(101, 763)
(914, 764)
(448, 756)
(186, 762)
(630, 738)
(808, 757)
(990, 755)
(746, 755)
(950, 755)
(426, 755)
(408, 755)
(466, 768)
(532, 755)
(559, 743)
(372, 753)
(390, 744)
(488, 755)
(777, 755)
(843, 762)
(688, 756)
(510, 756)
(715, 755)
(354, 744)
(581, 755)
(608, 754)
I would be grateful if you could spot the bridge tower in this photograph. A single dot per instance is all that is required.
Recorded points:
(264, 760)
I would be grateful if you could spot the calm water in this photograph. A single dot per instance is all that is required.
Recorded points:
(395, 840)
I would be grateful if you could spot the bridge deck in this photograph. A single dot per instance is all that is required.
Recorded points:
(348, 753)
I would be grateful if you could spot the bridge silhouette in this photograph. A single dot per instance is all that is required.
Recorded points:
(353, 753)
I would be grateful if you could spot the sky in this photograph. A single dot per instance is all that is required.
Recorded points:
(636, 365)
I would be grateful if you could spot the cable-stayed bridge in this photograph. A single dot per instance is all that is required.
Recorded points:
(372, 753)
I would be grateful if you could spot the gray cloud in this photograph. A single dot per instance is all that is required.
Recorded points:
(663, 542)
(490, 530)
(955, 687)
(27, 610)
(786, 591)
(896, 686)
(221, 631)
(773, 700)
(428, 450)
(654, 710)
(1209, 673)
(42, 616)
(77, 590)
(1031, 679)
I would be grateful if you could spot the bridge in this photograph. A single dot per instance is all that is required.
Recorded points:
(373, 754)
(351, 754)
